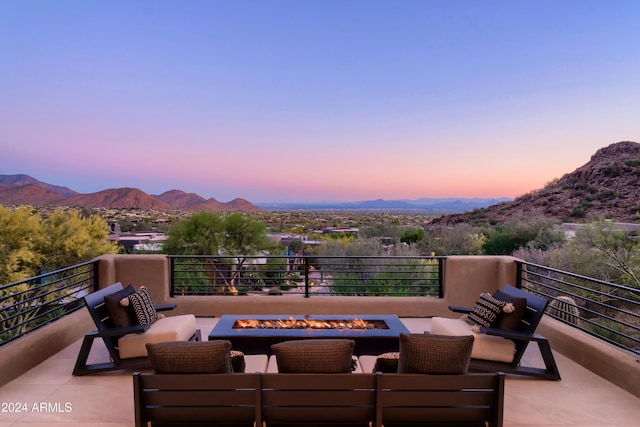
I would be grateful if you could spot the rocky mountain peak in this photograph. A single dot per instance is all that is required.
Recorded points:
(608, 186)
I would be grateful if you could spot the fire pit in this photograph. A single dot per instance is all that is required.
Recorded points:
(254, 334)
(307, 323)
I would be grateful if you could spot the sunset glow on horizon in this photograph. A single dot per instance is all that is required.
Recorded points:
(303, 101)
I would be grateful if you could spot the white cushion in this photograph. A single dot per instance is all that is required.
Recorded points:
(486, 347)
(256, 363)
(175, 328)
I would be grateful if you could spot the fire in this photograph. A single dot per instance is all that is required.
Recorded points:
(293, 323)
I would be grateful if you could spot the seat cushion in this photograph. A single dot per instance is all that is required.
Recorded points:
(175, 328)
(191, 357)
(486, 347)
(314, 356)
(434, 354)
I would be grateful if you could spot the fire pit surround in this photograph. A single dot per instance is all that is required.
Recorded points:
(254, 334)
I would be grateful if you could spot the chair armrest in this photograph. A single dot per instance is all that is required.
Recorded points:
(112, 332)
(165, 307)
(457, 309)
(512, 335)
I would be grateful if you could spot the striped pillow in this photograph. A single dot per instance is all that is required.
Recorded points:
(485, 311)
(143, 307)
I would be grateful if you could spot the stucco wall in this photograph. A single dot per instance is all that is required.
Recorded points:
(33, 348)
(465, 277)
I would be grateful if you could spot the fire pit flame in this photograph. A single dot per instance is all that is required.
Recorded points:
(292, 323)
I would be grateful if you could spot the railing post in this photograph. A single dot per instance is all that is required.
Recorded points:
(172, 290)
(518, 275)
(440, 278)
(96, 276)
(306, 277)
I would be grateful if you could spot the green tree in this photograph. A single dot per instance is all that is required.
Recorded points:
(243, 235)
(412, 236)
(461, 239)
(296, 246)
(20, 236)
(206, 233)
(508, 237)
(71, 239)
(30, 244)
(616, 251)
(197, 235)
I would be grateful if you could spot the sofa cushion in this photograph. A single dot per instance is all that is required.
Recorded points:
(174, 328)
(143, 306)
(510, 321)
(120, 316)
(486, 347)
(486, 310)
(434, 354)
(191, 357)
(314, 356)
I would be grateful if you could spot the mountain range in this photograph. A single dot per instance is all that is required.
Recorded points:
(425, 204)
(26, 190)
(608, 186)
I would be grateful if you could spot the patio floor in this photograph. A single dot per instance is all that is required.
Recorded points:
(51, 396)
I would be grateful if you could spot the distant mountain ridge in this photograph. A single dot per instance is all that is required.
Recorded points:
(22, 179)
(26, 190)
(608, 186)
(425, 204)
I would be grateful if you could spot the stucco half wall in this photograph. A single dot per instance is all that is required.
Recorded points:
(464, 278)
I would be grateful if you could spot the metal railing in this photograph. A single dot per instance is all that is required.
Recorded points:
(32, 303)
(306, 275)
(606, 310)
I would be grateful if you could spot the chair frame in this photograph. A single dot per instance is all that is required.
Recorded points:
(109, 335)
(536, 307)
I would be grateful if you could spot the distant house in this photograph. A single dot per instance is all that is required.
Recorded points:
(348, 231)
(142, 241)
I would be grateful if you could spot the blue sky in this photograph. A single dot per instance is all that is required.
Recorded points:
(315, 100)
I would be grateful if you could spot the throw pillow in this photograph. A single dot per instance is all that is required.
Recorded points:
(387, 363)
(326, 356)
(238, 363)
(510, 321)
(486, 310)
(434, 354)
(120, 316)
(191, 357)
(143, 306)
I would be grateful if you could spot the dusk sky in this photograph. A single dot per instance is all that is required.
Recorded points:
(297, 100)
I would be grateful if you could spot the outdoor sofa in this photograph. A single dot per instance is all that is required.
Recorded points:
(195, 384)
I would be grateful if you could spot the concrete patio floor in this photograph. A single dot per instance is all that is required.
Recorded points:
(51, 396)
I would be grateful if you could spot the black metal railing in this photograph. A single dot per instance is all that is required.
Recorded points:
(606, 310)
(306, 275)
(29, 304)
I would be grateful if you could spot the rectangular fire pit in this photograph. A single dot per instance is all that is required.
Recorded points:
(254, 334)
